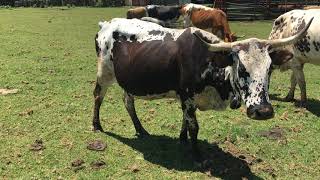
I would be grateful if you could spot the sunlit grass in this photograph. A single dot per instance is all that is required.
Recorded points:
(49, 55)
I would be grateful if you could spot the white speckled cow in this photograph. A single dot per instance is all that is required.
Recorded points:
(307, 50)
(148, 60)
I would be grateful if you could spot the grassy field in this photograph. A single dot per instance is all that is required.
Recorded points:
(49, 56)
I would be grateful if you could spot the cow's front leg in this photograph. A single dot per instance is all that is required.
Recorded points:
(129, 103)
(298, 72)
(290, 96)
(189, 116)
(184, 132)
(98, 93)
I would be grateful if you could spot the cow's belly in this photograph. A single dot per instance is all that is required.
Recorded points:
(312, 57)
(170, 94)
(208, 99)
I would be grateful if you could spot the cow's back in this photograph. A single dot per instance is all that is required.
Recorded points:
(288, 24)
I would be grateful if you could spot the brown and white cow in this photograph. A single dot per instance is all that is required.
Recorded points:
(307, 50)
(149, 61)
(204, 17)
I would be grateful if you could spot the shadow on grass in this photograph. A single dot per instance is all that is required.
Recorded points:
(169, 153)
(313, 105)
(276, 97)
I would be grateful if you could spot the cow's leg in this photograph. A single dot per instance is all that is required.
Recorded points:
(98, 93)
(105, 78)
(189, 116)
(298, 72)
(290, 96)
(184, 132)
(129, 103)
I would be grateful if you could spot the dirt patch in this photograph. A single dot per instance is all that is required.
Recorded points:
(8, 91)
(267, 169)
(96, 145)
(134, 168)
(296, 129)
(98, 165)
(231, 148)
(275, 133)
(27, 112)
(77, 165)
(37, 145)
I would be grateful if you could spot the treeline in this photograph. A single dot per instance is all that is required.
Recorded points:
(49, 3)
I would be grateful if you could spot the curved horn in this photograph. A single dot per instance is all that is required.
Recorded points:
(290, 40)
(221, 46)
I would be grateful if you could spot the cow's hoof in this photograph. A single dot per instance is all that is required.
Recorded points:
(184, 138)
(302, 104)
(184, 141)
(97, 128)
(288, 98)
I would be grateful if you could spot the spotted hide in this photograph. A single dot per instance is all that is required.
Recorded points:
(150, 61)
(307, 50)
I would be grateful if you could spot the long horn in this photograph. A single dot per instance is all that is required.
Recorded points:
(290, 40)
(221, 46)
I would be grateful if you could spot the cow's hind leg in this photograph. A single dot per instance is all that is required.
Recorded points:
(98, 93)
(129, 104)
(290, 96)
(298, 72)
(189, 115)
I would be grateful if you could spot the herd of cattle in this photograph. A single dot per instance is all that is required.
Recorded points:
(204, 70)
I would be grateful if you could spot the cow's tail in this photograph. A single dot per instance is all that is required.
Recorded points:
(154, 20)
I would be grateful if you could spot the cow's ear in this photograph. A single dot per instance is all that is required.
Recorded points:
(280, 57)
(222, 60)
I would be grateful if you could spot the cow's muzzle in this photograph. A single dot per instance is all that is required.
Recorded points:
(235, 103)
(260, 112)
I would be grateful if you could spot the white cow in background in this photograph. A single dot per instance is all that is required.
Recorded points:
(307, 50)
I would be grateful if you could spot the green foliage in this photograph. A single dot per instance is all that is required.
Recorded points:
(49, 56)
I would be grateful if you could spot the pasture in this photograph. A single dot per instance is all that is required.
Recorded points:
(49, 56)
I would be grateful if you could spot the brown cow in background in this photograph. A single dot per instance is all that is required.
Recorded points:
(208, 18)
(138, 12)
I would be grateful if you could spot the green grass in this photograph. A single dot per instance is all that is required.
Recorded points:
(49, 55)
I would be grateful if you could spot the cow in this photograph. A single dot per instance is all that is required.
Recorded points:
(307, 50)
(138, 12)
(163, 13)
(204, 17)
(150, 61)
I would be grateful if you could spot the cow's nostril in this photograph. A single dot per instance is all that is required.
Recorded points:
(260, 112)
